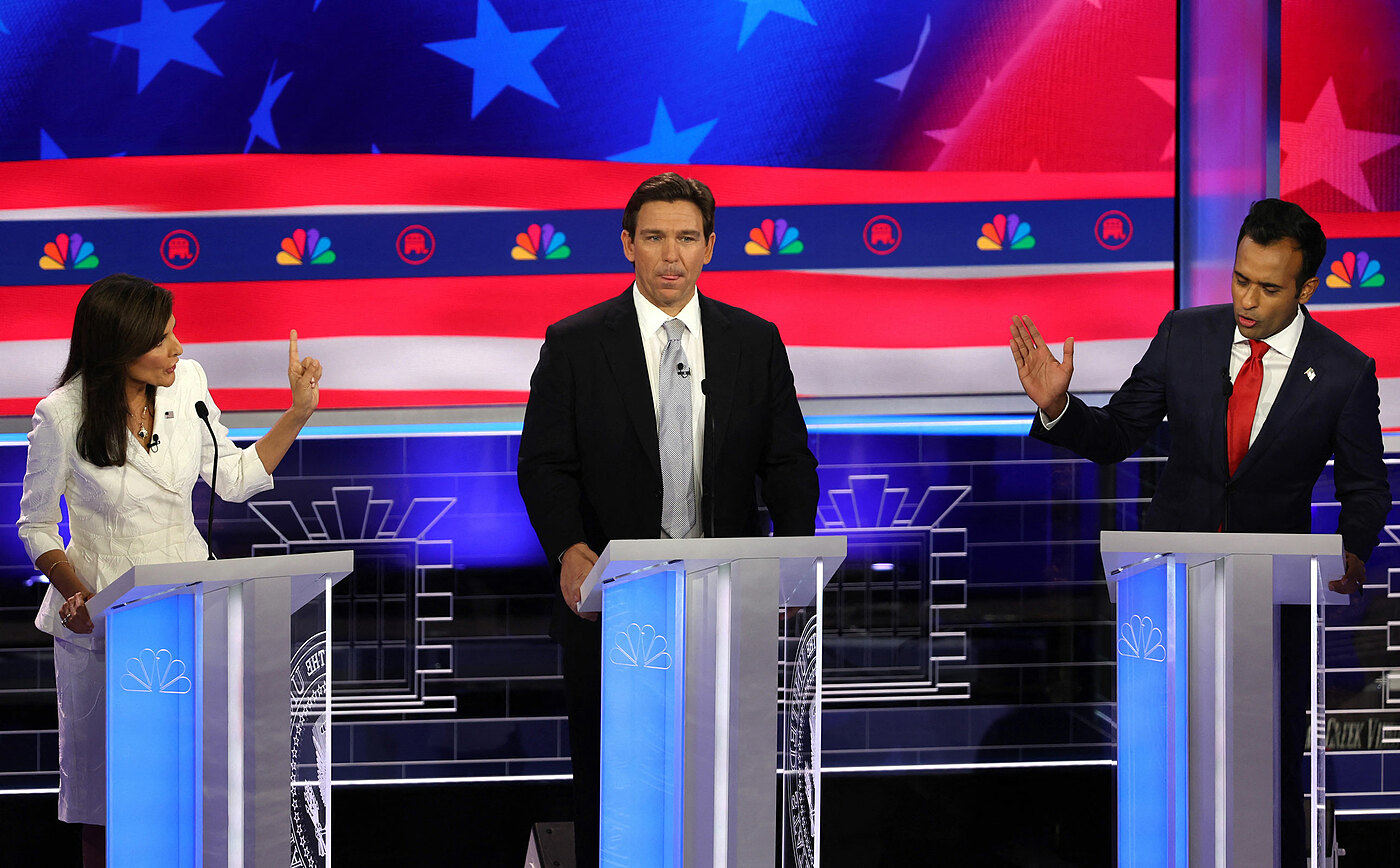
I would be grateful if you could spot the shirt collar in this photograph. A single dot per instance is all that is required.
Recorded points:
(651, 318)
(1285, 342)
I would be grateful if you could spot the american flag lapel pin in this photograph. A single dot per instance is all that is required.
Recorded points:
(1310, 374)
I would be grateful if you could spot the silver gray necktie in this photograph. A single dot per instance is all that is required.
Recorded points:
(675, 436)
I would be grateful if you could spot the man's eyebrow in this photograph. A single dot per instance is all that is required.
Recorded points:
(1263, 283)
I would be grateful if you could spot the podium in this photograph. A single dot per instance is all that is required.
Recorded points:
(218, 702)
(1198, 691)
(711, 699)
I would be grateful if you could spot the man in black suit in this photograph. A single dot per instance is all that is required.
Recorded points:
(591, 459)
(1260, 396)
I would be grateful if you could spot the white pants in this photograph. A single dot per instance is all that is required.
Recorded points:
(80, 669)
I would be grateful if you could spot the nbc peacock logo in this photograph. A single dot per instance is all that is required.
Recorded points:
(1355, 270)
(1006, 231)
(772, 236)
(306, 245)
(540, 242)
(68, 251)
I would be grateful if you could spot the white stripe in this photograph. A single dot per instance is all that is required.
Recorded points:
(393, 362)
(1100, 366)
(31, 367)
(505, 364)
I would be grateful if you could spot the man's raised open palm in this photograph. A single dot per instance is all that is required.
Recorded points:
(1044, 378)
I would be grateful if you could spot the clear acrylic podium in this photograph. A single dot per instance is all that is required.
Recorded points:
(218, 711)
(711, 699)
(1198, 691)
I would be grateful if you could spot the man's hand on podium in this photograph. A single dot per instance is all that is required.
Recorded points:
(578, 559)
(1353, 579)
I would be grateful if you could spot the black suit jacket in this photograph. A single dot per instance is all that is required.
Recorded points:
(1333, 412)
(590, 466)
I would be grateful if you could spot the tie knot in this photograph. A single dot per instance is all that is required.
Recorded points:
(1257, 349)
(674, 329)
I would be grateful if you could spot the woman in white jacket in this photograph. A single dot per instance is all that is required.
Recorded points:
(120, 441)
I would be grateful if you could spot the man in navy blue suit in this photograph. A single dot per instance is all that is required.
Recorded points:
(1318, 399)
(1260, 396)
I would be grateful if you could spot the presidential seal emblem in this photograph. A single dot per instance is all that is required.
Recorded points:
(800, 712)
(311, 755)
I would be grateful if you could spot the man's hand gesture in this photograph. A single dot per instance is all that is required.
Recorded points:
(1045, 378)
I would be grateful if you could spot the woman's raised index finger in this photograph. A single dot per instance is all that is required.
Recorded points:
(293, 358)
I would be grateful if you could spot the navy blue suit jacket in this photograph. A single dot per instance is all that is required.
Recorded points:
(1334, 412)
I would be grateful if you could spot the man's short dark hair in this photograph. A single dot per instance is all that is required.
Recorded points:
(1274, 220)
(670, 187)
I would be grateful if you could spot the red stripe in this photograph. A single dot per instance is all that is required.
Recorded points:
(859, 311)
(1378, 224)
(18, 406)
(277, 399)
(252, 181)
(811, 308)
(263, 399)
(272, 399)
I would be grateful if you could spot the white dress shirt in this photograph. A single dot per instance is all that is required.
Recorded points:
(651, 322)
(1282, 347)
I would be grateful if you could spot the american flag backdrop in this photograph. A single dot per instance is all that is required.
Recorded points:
(419, 188)
(1339, 138)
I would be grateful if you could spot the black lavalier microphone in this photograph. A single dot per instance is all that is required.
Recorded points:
(682, 369)
(1227, 388)
(203, 413)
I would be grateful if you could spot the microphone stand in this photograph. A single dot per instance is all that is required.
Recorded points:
(203, 412)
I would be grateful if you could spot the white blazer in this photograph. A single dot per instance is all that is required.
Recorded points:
(139, 513)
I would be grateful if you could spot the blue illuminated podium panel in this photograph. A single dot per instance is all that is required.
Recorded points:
(710, 700)
(218, 711)
(1198, 692)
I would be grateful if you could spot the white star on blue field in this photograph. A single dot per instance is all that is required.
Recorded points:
(500, 58)
(260, 121)
(161, 36)
(667, 145)
(757, 10)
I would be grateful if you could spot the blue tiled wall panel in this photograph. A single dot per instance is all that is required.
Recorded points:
(1023, 603)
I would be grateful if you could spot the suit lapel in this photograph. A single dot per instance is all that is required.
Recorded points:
(1217, 349)
(1293, 396)
(153, 465)
(622, 347)
(722, 359)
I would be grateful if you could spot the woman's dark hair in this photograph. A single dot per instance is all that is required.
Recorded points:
(119, 319)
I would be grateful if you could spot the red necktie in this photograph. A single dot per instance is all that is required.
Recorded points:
(1244, 399)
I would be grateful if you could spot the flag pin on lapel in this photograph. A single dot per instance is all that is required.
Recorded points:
(1310, 374)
